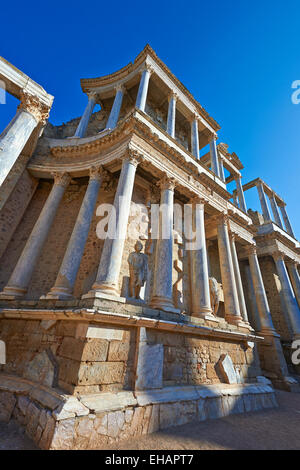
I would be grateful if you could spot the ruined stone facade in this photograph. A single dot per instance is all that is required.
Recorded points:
(107, 338)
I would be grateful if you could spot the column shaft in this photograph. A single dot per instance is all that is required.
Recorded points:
(232, 309)
(221, 167)
(265, 318)
(286, 221)
(162, 293)
(18, 283)
(295, 279)
(240, 192)
(263, 202)
(116, 108)
(64, 284)
(171, 115)
(201, 306)
(84, 121)
(238, 280)
(214, 157)
(13, 140)
(107, 280)
(275, 211)
(143, 89)
(195, 138)
(292, 307)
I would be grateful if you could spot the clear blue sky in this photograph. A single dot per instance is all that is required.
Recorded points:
(237, 57)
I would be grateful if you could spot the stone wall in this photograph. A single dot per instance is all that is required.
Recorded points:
(56, 421)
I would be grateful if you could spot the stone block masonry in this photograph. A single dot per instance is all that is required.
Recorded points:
(58, 421)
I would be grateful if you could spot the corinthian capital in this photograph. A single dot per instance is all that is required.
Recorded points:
(32, 105)
(133, 156)
(97, 173)
(61, 179)
(167, 182)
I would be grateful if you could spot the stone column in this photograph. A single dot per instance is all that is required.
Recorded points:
(221, 167)
(238, 279)
(263, 202)
(171, 114)
(143, 88)
(116, 108)
(195, 137)
(295, 278)
(162, 293)
(214, 156)
(291, 305)
(265, 319)
(286, 221)
(240, 192)
(232, 308)
(64, 284)
(235, 199)
(275, 211)
(201, 306)
(13, 139)
(107, 280)
(84, 121)
(18, 283)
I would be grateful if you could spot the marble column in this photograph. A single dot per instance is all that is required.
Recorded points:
(107, 279)
(162, 292)
(240, 193)
(263, 202)
(143, 88)
(195, 138)
(18, 283)
(116, 108)
(290, 301)
(221, 167)
(199, 277)
(292, 267)
(232, 308)
(275, 211)
(238, 279)
(265, 319)
(64, 284)
(84, 121)
(15, 136)
(171, 114)
(235, 199)
(214, 156)
(286, 221)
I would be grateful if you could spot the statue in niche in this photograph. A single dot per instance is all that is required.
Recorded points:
(214, 295)
(138, 268)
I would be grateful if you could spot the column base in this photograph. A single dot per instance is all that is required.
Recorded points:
(234, 320)
(206, 315)
(12, 293)
(58, 293)
(163, 303)
(97, 294)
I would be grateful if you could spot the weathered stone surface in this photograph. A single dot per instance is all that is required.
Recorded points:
(226, 368)
(69, 409)
(101, 332)
(101, 402)
(150, 366)
(214, 408)
(42, 369)
(100, 424)
(47, 324)
(7, 404)
(115, 422)
(64, 435)
(118, 351)
(233, 405)
(46, 399)
(101, 373)
(84, 350)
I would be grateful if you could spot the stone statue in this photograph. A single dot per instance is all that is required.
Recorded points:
(214, 295)
(138, 267)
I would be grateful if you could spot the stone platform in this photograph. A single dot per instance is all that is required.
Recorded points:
(55, 420)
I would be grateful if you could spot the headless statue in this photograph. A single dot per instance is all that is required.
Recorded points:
(138, 267)
(214, 295)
